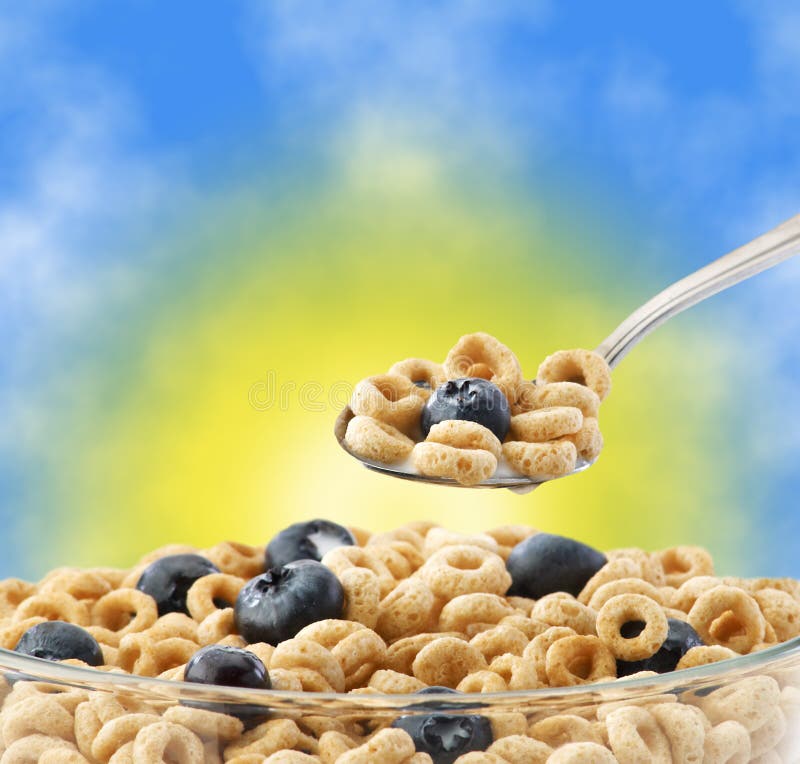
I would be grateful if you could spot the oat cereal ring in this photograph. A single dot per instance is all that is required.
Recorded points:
(781, 610)
(115, 733)
(80, 584)
(377, 441)
(166, 742)
(687, 594)
(682, 563)
(32, 749)
(625, 586)
(748, 701)
(727, 743)
(578, 660)
(410, 608)
(401, 558)
(392, 399)
(562, 609)
(54, 606)
(460, 433)
(406, 534)
(520, 749)
(235, 559)
(143, 655)
(767, 734)
(63, 755)
(173, 625)
(211, 593)
(584, 367)
(216, 627)
(468, 466)
(389, 746)
(438, 538)
(346, 557)
(536, 651)
(394, 683)
(40, 713)
(541, 461)
(518, 673)
(13, 591)
(420, 370)
(362, 596)
(565, 394)
(626, 608)
(446, 661)
(546, 424)
(500, 640)
(588, 440)
(480, 354)
(561, 729)
(401, 654)
(457, 570)
(634, 735)
(702, 655)
(508, 536)
(333, 744)
(359, 650)
(270, 737)
(314, 666)
(290, 757)
(740, 632)
(482, 681)
(524, 398)
(652, 570)
(121, 612)
(582, 753)
(530, 627)
(613, 570)
(684, 729)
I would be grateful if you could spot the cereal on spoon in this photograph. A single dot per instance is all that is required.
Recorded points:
(476, 411)
(415, 610)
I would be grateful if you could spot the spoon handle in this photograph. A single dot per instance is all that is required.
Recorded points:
(767, 250)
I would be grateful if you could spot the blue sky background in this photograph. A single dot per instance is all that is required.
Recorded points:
(675, 125)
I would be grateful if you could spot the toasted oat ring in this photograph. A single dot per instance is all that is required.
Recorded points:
(585, 367)
(524, 398)
(546, 424)
(420, 370)
(482, 355)
(703, 655)
(578, 660)
(446, 661)
(588, 440)
(460, 433)
(392, 399)
(561, 729)
(112, 619)
(624, 608)
(562, 609)
(541, 461)
(362, 595)
(745, 628)
(370, 438)
(565, 394)
(582, 753)
(410, 608)
(55, 606)
(468, 466)
(624, 586)
(216, 591)
(634, 735)
(456, 570)
(165, 741)
(482, 681)
(479, 607)
(682, 563)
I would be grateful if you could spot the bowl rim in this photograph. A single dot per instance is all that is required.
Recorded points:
(41, 670)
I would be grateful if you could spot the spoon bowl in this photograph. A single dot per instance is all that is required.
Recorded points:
(763, 252)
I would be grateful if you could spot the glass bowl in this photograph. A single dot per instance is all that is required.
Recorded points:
(739, 710)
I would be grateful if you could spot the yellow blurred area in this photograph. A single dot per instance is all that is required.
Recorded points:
(216, 433)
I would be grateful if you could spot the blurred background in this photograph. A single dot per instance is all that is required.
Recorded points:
(216, 218)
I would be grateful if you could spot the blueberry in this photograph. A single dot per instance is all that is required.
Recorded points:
(306, 541)
(545, 563)
(445, 737)
(59, 641)
(229, 667)
(681, 637)
(470, 398)
(169, 579)
(274, 606)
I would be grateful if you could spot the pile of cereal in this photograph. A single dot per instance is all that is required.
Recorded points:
(330, 609)
(460, 419)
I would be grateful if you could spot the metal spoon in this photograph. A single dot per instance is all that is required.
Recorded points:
(767, 250)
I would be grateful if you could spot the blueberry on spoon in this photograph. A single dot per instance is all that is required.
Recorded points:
(306, 541)
(472, 399)
(274, 606)
(228, 667)
(60, 641)
(169, 579)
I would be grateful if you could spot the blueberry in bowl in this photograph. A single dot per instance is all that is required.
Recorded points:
(277, 604)
(306, 541)
(681, 638)
(445, 737)
(229, 667)
(60, 641)
(169, 579)
(471, 399)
